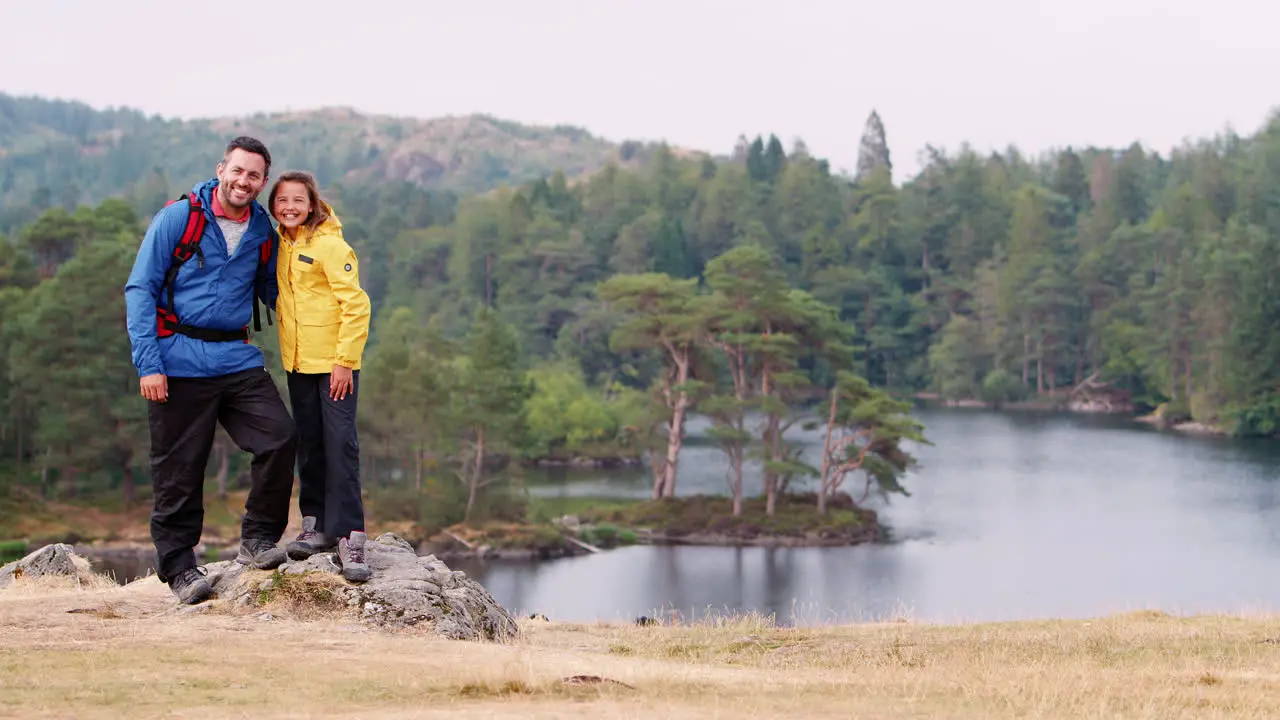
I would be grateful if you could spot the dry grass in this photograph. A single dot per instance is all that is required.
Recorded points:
(67, 652)
(306, 597)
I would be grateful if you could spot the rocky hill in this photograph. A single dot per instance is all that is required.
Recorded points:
(55, 152)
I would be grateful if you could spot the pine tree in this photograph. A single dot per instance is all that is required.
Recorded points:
(873, 150)
(493, 392)
(657, 316)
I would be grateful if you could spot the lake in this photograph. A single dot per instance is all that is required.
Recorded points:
(1012, 515)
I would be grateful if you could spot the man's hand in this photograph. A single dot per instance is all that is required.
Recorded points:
(155, 387)
(340, 383)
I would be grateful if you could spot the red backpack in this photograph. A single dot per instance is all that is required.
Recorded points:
(167, 322)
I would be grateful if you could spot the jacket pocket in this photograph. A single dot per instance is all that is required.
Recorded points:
(305, 274)
(314, 314)
(317, 341)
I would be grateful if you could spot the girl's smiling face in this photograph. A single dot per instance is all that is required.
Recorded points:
(292, 204)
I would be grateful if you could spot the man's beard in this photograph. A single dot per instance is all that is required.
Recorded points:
(230, 201)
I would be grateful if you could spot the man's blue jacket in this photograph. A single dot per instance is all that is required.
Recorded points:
(219, 295)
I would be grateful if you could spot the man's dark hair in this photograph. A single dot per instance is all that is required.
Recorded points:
(250, 145)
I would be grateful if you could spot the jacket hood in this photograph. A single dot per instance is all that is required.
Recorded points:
(204, 189)
(333, 223)
(331, 226)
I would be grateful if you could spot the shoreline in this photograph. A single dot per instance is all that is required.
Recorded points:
(646, 539)
(565, 537)
(1153, 419)
(116, 555)
(1190, 427)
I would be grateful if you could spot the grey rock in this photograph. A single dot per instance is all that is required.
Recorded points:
(50, 560)
(320, 562)
(392, 540)
(224, 577)
(405, 590)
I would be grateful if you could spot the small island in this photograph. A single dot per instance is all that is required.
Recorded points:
(598, 524)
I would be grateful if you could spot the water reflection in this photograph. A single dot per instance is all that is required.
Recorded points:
(796, 584)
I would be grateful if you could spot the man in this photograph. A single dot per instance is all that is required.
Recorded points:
(198, 369)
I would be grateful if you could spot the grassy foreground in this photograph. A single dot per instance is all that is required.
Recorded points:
(108, 651)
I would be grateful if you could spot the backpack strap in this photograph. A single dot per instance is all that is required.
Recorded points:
(167, 318)
(264, 259)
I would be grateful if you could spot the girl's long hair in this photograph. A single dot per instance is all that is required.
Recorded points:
(318, 214)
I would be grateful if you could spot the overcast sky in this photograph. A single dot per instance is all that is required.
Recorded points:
(1033, 73)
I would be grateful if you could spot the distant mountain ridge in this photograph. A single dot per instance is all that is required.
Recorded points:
(57, 152)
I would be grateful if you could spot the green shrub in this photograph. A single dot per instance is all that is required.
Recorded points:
(1000, 386)
(11, 550)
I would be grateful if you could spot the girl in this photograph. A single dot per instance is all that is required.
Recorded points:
(323, 322)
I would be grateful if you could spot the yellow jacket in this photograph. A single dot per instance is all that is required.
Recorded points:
(322, 312)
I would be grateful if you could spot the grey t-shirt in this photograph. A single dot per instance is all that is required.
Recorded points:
(233, 231)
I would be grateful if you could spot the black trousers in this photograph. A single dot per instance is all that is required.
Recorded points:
(182, 429)
(328, 454)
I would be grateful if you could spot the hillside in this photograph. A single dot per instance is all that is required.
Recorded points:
(60, 153)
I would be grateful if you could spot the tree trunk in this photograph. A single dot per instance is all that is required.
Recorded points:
(770, 442)
(735, 463)
(129, 483)
(771, 478)
(734, 449)
(1026, 359)
(1186, 358)
(44, 474)
(659, 463)
(417, 470)
(1039, 367)
(823, 483)
(675, 433)
(1080, 356)
(476, 471)
(224, 458)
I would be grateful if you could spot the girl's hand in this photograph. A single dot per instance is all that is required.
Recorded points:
(340, 383)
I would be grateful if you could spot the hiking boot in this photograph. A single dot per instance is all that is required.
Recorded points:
(309, 541)
(260, 553)
(190, 587)
(351, 558)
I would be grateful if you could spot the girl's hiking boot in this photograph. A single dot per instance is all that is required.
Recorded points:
(309, 541)
(190, 586)
(260, 553)
(351, 558)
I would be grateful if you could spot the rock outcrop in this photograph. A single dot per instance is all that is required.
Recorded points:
(405, 590)
(58, 560)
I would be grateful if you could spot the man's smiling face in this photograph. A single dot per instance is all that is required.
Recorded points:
(241, 176)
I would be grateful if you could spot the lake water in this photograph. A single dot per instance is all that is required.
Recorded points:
(1012, 515)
